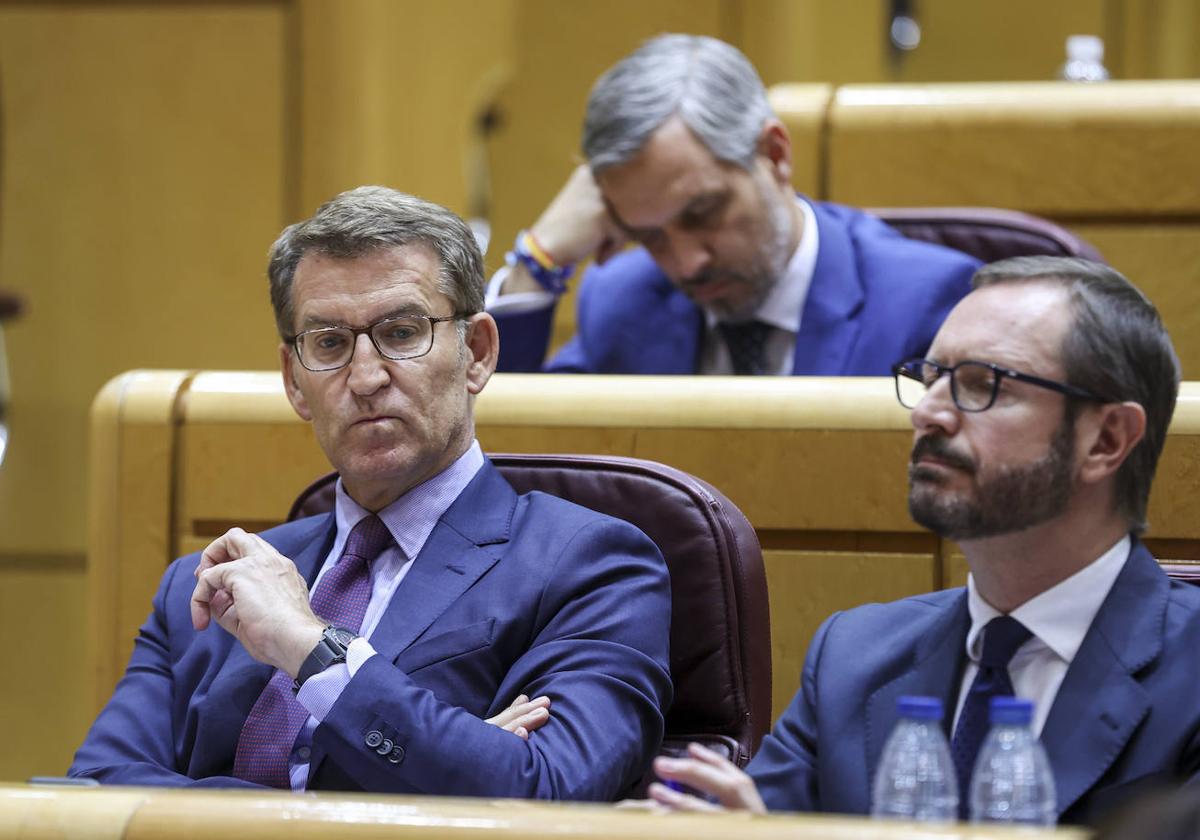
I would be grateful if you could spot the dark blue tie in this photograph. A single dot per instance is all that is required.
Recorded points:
(1001, 638)
(747, 343)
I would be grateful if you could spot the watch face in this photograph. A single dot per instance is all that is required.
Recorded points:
(342, 636)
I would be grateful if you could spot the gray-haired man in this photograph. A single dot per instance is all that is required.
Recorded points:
(735, 273)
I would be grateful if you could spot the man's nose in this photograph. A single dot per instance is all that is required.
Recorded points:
(936, 409)
(689, 253)
(368, 369)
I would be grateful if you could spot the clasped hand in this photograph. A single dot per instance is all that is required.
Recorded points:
(257, 595)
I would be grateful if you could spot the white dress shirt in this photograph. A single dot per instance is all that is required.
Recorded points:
(1058, 618)
(410, 519)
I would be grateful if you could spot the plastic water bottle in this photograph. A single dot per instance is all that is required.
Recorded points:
(915, 779)
(1085, 60)
(1012, 781)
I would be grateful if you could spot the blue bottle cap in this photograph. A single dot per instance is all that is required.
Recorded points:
(1010, 711)
(919, 708)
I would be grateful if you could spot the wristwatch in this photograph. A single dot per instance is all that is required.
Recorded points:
(329, 651)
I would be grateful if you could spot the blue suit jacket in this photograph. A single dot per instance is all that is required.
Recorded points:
(510, 594)
(1126, 717)
(876, 298)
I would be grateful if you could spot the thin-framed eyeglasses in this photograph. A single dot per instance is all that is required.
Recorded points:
(397, 338)
(973, 385)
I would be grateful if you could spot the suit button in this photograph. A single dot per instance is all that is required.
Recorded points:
(396, 755)
(385, 746)
(374, 738)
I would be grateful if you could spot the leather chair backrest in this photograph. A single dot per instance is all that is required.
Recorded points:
(720, 624)
(987, 233)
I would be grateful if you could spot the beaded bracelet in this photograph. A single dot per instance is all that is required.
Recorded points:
(539, 263)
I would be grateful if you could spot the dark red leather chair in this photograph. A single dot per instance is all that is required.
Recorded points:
(987, 233)
(720, 626)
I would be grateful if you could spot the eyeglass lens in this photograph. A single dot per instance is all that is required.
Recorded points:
(396, 338)
(973, 384)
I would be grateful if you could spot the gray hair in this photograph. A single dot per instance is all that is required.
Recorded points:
(363, 220)
(713, 88)
(1118, 349)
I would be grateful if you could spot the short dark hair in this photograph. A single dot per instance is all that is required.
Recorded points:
(708, 83)
(366, 219)
(1117, 348)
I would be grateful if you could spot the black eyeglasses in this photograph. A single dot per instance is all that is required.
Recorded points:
(398, 338)
(973, 385)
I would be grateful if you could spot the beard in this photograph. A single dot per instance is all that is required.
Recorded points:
(751, 283)
(1006, 500)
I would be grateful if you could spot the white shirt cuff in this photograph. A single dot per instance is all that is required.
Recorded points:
(321, 691)
(516, 303)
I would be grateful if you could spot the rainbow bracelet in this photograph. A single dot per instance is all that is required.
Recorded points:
(526, 251)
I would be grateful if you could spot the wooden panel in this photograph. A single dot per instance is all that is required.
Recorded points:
(143, 177)
(1163, 259)
(1055, 149)
(44, 709)
(806, 587)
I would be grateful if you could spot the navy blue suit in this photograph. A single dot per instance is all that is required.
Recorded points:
(511, 594)
(876, 298)
(1126, 716)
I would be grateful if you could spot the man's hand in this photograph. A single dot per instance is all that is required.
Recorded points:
(709, 773)
(255, 593)
(523, 716)
(575, 226)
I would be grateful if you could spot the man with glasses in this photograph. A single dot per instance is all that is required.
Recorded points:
(1038, 415)
(377, 648)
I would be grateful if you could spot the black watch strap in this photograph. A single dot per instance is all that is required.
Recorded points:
(329, 651)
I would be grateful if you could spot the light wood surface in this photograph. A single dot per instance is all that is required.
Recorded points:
(42, 813)
(816, 464)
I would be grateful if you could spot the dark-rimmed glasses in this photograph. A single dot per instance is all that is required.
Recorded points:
(973, 385)
(397, 338)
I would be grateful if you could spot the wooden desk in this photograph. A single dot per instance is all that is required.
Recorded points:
(34, 813)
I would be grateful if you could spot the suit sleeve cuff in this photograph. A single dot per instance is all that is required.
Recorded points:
(321, 691)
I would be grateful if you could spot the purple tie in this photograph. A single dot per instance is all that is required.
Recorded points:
(1001, 638)
(265, 745)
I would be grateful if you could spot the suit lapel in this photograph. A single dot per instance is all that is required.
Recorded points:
(1100, 703)
(462, 547)
(936, 671)
(828, 326)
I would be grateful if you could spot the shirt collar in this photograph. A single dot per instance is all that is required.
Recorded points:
(412, 517)
(784, 304)
(1059, 618)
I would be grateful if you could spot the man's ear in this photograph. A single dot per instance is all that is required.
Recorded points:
(483, 349)
(287, 366)
(1111, 434)
(775, 148)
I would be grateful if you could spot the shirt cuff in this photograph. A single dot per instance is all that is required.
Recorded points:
(498, 304)
(321, 691)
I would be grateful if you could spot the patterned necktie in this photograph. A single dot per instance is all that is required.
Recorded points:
(747, 343)
(265, 745)
(1001, 638)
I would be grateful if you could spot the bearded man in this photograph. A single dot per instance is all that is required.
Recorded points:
(1038, 415)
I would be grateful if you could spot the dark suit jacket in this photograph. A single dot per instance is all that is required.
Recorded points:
(876, 298)
(1127, 715)
(510, 594)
